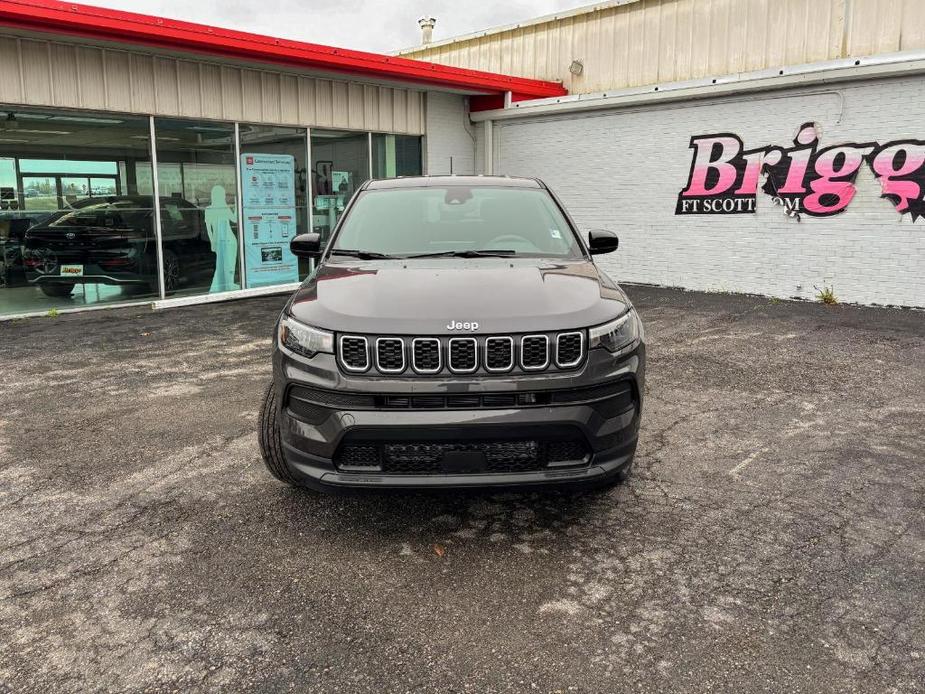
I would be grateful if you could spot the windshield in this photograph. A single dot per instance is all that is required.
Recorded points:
(457, 219)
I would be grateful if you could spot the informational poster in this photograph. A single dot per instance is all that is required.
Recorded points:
(268, 187)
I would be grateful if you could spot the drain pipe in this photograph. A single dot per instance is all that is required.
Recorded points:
(488, 165)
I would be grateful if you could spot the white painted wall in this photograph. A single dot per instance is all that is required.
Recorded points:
(450, 138)
(623, 170)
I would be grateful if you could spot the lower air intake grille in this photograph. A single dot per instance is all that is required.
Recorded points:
(359, 456)
(354, 353)
(500, 456)
(565, 451)
(429, 457)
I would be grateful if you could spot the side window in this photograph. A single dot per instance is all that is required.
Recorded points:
(172, 211)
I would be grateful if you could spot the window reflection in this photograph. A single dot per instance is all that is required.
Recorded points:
(396, 155)
(340, 164)
(197, 186)
(74, 230)
(77, 222)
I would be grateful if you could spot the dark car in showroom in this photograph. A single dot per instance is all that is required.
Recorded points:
(111, 240)
(455, 333)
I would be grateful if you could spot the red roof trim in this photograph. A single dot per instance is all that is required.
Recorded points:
(128, 27)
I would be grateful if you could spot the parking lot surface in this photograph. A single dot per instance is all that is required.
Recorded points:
(772, 537)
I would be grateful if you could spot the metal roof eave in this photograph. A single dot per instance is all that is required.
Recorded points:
(86, 21)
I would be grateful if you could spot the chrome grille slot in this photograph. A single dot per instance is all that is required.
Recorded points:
(499, 354)
(354, 353)
(534, 352)
(425, 355)
(463, 353)
(570, 349)
(390, 355)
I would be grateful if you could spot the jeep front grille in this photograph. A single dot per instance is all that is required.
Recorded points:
(499, 353)
(534, 352)
(492, 354)
(425, 358)
(569, 349)
(390, 355)
(463, 354)
(354, 353)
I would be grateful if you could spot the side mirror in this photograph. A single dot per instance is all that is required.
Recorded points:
(602, 241)
(306, 245)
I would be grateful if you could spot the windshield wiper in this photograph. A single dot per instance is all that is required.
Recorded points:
(495, 253)
(362, 255)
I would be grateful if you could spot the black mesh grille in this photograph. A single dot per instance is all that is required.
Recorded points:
(499, 353)
(462, 354)
(390, 354)
(308, 412)
(431, 457)
(333, 399)
(359, 456)
(426, 457)
(565, 451)
(354, 353)
(534, 352)
(568, 349)
(426, 355)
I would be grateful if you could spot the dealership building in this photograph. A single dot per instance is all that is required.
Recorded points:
(773, 148)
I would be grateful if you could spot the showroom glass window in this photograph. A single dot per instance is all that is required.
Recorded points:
(75, 228)
(396, 155)
(340, 164)
(274, 195)
(197, 184)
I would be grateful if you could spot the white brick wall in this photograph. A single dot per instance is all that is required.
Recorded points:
(450, 142)
(622, 170)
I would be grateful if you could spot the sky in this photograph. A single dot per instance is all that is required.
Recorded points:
(381, 27)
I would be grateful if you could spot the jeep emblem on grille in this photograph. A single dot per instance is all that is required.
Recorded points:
(457, 325)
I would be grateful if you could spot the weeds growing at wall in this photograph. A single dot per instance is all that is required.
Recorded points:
(827, 295)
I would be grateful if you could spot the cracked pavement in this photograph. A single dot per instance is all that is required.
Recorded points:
(772, 537)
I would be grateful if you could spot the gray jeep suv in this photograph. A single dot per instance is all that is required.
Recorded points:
(455, 333)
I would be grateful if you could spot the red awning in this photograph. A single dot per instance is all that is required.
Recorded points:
(86, 21)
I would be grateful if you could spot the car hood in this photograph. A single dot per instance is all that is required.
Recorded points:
(421, 297)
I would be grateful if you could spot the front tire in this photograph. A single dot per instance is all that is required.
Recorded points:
(57, 290)
(171, 271)
(271, 445)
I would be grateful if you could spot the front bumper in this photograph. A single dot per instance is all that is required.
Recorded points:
(92, 274)
(313, 442)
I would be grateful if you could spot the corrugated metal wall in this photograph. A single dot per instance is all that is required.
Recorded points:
(46, 73)
(657, 41)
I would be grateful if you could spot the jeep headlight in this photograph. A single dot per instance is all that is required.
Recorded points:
(617, 334)
(304, 339)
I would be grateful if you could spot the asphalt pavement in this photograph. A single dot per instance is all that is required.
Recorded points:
(772, 537)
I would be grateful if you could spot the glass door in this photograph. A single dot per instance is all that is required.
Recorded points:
(275, 205)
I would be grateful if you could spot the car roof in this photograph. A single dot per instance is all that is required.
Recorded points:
(444, 181)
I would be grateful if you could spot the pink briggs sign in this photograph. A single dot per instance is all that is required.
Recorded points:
(805, 179)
